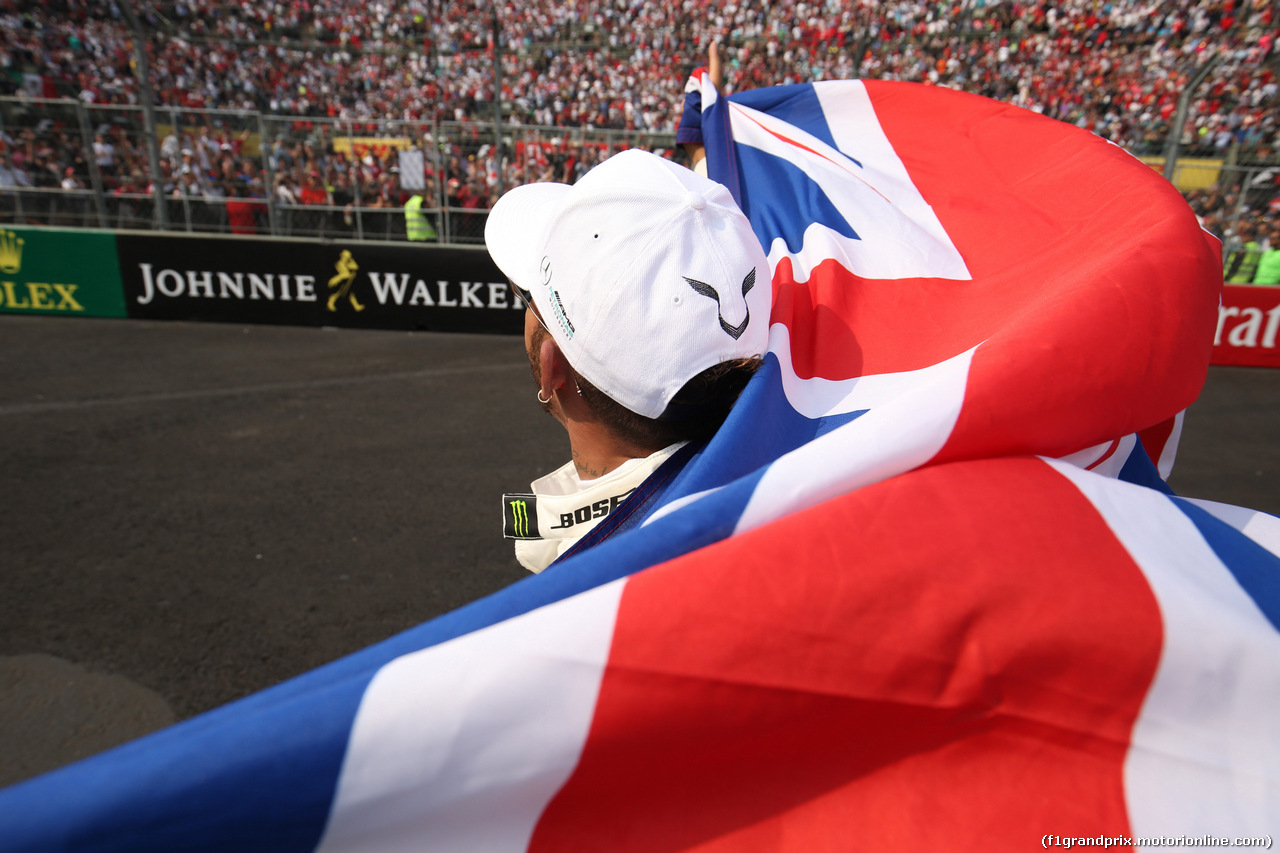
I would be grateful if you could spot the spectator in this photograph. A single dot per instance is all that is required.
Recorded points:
(313, 192)
(104, 154)
(1269, 262)
(342, 196)
(242, 212)
(285, 192)
(1242, 262)
(417, 227)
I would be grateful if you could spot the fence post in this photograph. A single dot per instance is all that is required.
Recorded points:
(446, 218)
(355, 184)
(1180, 116)
(95, 174)
(17, 190)
(437, 159)
(1246, 179)
(269, 171)
(143, 74)
(497, 96)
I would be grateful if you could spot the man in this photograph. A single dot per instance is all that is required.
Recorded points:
(1242, 262)
(416, 225)
(689, 131)
(242, 213)
(648, 310)
(313, 190)
(1268, 271)
(105, 155)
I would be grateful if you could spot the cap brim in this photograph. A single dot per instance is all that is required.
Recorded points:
(515, 233)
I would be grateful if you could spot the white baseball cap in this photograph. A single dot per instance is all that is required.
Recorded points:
(644, 273)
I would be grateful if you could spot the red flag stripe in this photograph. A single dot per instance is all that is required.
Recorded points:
(913, 690)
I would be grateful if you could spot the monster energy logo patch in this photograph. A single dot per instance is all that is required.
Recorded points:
(520, 516)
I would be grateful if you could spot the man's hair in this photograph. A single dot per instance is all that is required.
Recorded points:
(694, 414)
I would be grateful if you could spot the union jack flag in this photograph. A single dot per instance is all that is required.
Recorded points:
(925, 588)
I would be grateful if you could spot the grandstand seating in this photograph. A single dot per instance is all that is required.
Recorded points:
(595, 75)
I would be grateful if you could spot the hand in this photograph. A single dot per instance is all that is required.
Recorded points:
(714, 68)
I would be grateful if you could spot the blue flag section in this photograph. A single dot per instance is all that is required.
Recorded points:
(925, 588)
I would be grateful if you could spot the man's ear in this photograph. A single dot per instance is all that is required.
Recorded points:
(555, 368)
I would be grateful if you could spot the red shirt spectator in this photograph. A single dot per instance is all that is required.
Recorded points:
(242, 214)
(312, 191)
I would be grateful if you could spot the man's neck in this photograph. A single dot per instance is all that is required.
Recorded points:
(596, 452)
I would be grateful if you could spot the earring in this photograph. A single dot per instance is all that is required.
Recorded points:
(542, 401)
(577, 388)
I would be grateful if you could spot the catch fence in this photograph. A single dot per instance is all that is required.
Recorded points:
(70, 164)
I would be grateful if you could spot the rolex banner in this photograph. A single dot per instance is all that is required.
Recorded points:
(60, 273)
(354, 285)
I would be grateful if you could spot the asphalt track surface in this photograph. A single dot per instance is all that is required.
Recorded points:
(193, 512)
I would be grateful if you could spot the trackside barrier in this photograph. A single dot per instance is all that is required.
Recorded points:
(353, 285)
(64, 273)
(356, 285)
(1248, 323)
(236, 280)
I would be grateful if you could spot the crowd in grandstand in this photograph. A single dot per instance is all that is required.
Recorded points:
(1115, 67)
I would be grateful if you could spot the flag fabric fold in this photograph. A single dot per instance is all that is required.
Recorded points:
(925, 587)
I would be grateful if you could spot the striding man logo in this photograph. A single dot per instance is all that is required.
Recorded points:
(341, 283)
(708, 291)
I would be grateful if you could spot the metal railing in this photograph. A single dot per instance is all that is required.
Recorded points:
(1229, 196)
(70, 164)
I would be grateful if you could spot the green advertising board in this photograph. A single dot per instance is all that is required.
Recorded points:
(63, 273)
